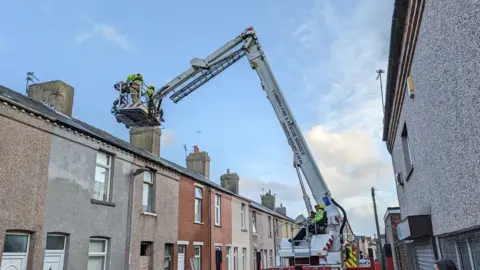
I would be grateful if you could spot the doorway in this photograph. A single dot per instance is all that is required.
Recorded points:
(54, 252)
(181, 257)
(15, 251)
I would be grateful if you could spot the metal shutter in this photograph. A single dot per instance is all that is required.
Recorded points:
(425, 255)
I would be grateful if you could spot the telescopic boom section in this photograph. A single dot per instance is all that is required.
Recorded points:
(246, 44)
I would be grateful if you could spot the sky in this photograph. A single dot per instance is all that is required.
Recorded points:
(324, 54)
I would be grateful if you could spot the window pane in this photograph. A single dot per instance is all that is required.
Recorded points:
(198, 192)
(198, 210)
(103, 159)
(96, 246)
(96, 263)
(147, 198)
(197, 263)
(197, 251)
(15, 243)
(55, 242)
(147, 177)
(101, 183)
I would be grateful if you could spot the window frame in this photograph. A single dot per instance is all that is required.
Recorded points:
(235, 258)
(198, 205)
(254, 223)
(151, 185)
(244, 258)
(229, 250)
(271, 259)
(99, 254)
(407, 152)
(218, 209)
(56, 235)
(168, 246)
(27, 245)
(199, 256)
(269, 226)
(108, 179)
(242, 215)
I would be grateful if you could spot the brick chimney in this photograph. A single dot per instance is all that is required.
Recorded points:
(55, 94)
(199, 162)
(146, 138)
(230, 181)
(268, 200)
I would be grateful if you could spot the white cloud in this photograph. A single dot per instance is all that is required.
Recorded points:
(104, 31)
(168, 137)
(339, 48)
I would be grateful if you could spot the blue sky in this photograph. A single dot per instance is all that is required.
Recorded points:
(324, 54)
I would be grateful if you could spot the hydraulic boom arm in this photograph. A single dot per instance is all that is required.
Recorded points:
(246, 44)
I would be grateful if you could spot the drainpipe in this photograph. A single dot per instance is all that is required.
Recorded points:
(210, 227)
(130, 235)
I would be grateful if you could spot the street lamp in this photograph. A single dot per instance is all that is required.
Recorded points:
(277, 245)
(132, 175)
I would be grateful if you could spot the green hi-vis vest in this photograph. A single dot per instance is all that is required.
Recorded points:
(133, 78)
(319, 216)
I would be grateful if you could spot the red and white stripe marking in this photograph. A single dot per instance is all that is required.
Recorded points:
(329, 243)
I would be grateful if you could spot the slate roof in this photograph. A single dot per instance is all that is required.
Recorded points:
(38, 107)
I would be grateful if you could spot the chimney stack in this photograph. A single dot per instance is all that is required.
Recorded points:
(268, 200)
(55, 94)
(146, 138)
(199, 162)
(230, 181)
(281, 210)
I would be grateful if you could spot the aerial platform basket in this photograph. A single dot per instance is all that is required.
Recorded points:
(136, 115)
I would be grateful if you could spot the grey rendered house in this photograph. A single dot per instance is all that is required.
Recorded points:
(66, 189)
(432, 129)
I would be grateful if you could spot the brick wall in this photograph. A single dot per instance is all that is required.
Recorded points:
(222, 234)
(188, 230)
(400, 249)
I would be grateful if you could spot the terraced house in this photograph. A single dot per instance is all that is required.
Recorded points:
(76, 197)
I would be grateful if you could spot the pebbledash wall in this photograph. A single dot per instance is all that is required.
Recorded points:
(431, 128)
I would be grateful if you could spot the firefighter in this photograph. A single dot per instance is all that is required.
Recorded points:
(136, 82)
(320, 218)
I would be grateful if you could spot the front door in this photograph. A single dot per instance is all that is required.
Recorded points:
(15, 252)
(181, 257)
(54, 252)
(14, 262)
(53, 261)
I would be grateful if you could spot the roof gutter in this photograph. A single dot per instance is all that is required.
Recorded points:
(396, 44)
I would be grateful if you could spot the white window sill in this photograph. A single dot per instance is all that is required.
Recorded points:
(198, 222)
(149, 214)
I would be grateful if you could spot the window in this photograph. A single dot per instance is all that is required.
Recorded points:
(244, 259)
(269, 226)
(228, 258)
(271, 258)
(148, 198)
(276, 228)
(406, 151)
(168, 261)
(255, 259)
(101, 188)
(286, 230)
(218, 200)
(97, 254)
(55, 242)
(242, 215)
(146, 252)
(235, 258)
(198, 204)
(254, 222)
(197, 259)
(265, 258)
(16, 243)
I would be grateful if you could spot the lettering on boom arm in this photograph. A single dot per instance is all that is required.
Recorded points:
(288, 127)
